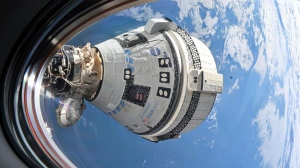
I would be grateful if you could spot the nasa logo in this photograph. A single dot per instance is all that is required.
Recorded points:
(155, 51)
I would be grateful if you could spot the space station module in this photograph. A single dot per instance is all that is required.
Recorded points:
(156, 80)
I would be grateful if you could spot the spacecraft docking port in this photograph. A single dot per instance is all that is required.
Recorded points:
(156, 80)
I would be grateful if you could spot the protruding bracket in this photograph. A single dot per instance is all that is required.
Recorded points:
(152, 139)
(204, 81)
(156, 25)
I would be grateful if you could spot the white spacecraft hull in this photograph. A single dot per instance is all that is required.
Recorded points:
(157, 80)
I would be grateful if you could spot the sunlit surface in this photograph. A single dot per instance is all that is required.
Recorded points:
(254, 122)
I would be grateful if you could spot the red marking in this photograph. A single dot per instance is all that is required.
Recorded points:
(139, 97)
(145, 120)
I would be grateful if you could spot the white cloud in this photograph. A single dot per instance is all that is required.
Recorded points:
(200, 140)
(193, 34)
(224, 3)
(274, 49)
(144, 163)
(235, 86)
(83, 120)
(185, 7)
(279, 59)
(218, 98)
(233, 68)
(236, 46)
(212, 119)
(141, 13)
(207, 4)
(261, 66)
(282, 129)
(212, 144)
(278, 89)
(191, 9)
(272, 132)
(243, 11)
(171, 163)
(277, 36)
(278, 130)
(210, 22)
(291, 114)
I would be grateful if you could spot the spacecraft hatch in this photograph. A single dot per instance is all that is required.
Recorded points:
(156, 80)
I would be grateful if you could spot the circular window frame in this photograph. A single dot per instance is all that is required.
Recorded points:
(55, 24)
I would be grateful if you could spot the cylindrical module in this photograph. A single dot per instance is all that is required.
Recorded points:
(157, 80)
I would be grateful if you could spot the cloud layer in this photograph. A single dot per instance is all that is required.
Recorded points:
(276, 37)
(141, 13)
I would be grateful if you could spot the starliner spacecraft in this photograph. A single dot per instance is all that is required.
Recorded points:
(156, 80)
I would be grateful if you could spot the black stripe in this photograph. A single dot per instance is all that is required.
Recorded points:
(175, 94)
(195, 96)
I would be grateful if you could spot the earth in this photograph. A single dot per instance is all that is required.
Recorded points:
(253, 123)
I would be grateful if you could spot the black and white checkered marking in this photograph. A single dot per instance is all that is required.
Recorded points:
(127, 74)
(195, 96)
(185, 120)
(164, 62)
(191, 47)
(163, 92)
(164, 77)
(175, 92)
